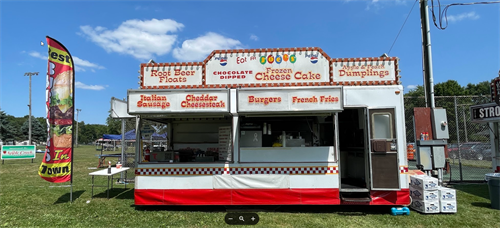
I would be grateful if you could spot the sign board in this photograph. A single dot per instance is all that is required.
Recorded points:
(119, 109)
(495, 91)
(171, 74)
(18, 152)
(485, 113)
(177, 101)
(277, 66)
(364, 70)
(290, 100)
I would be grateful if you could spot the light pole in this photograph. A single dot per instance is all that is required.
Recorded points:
(30, 74)
(77, 111)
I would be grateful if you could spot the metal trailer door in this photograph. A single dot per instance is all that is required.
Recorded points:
(383, 155)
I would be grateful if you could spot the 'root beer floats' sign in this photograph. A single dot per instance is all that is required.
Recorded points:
(158, 101)
(276, 66)
(171, 74)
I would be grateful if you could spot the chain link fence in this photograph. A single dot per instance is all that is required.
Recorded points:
(469, 150)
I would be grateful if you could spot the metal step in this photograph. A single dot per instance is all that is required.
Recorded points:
(356, 197)
(354, 190)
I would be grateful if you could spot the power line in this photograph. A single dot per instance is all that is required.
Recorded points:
(444, 12)
(401, 29)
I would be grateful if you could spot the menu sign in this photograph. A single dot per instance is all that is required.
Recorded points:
(171, 75)
(360, 71)
(282, 100)
(267, 67)
(161, 101)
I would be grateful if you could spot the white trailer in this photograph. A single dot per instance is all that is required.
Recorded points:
(273, 127)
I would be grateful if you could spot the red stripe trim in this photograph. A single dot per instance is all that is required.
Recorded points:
(236, 196)
(401, 197)
(259, 197)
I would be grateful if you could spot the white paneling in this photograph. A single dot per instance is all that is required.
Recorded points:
(173, 182)
(287, 154)
(258, 181)
(314, 181)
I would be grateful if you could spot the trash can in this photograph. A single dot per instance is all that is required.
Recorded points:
(493, 180)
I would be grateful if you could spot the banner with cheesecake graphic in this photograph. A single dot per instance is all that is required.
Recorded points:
(57, 162)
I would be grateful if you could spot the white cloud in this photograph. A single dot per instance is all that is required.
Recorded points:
(85, 63)
(410, 87)
(140, 39)
(376, 5)
(38, 55)
(80, 64)
(81, 85)
(456, 18)
(199, 48)
(254, 37)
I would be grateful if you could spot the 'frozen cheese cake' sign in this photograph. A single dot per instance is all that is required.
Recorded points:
(262, 67)
(284, 100)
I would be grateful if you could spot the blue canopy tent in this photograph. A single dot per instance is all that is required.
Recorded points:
(129, 135)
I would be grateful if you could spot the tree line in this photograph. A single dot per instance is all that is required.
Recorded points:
(14, 129)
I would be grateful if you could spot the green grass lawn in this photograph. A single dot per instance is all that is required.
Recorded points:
(27, 200)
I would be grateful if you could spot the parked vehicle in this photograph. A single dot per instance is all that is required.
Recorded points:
(471, 151)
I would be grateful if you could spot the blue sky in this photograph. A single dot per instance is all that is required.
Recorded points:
(109, 39)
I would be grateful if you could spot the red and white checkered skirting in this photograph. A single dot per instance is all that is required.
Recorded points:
(403, 169)
(237, 170)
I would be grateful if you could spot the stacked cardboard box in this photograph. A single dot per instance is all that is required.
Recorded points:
(447, 200)
(424, 194)
(428, 197)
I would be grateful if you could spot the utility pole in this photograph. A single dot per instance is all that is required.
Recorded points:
(30, 74)
(427, 55)
(77, 111)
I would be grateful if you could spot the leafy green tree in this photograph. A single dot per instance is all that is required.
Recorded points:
(482, 88)
(449, 88)
(416, 92)
(114, 125)
(8, 131)
(38, 132)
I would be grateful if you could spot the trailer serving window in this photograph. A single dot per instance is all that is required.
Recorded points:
(307, 138)
(188, 140)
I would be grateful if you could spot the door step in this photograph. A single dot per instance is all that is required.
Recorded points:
(354, 190)
(355, 197)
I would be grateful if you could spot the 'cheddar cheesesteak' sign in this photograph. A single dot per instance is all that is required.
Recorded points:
(168, 101)
(281, 100)
(267, 67)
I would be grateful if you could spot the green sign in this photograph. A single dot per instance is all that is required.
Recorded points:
(18, 152)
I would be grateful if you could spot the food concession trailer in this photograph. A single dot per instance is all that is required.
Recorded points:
(272, 127)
